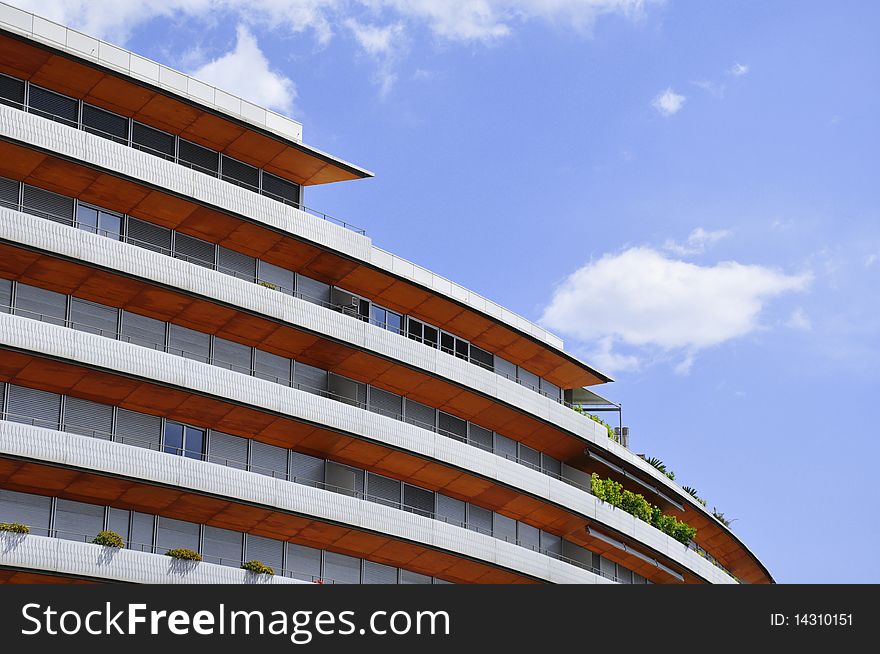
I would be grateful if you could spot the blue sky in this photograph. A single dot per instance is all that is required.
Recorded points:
(685, 191)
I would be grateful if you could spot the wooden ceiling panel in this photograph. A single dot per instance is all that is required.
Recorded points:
(58, 176)
(164, 209)
(211, 131)
(209, 225)
(113, 193)
(365, 282)
(254, 148)
(167, 113)
(65, 76)
(329, 268)
(17, 162)
(20, 61)
(254, 240)
(118, 96)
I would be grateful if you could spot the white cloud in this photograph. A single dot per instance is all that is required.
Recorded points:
(697, 242)
(668, 102)
(738, 70)
(871, 259)
(716, 90)
(459, 20)
(643, 299)
(245, 71)
(384, 43)
(799, 320)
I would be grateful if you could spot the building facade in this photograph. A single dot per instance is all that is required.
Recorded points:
(191, 358)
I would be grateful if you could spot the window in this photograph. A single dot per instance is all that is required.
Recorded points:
(303, 562)
(409, 577)
(5, 296)
(272, 367)
(551, 466)
(184, 440)
(143, 330)
(530, 457)
(194, 250)
(269, 460)
(386, 319)
(40, 304)
(142, 532)
(189, 343)
(453, 345)
(118, 520)
(33, 407)
(379, 573)
(420, 414)
(505, 368)
(105, 123)
(349, 303)
(306, 469)
(277, 278)
(310, 379)
(236, 264)
(385, 403)
(345, 479)
(231, 355)
(11, 91)
(422, 332)
(172, 534)
(46, 204)
(342, 569)
(551, 390)
(228, 450)
(152, 140)
(383, 490)
(528, 536)
(94, 318)
(149, 236)
(240, 173)
(138, 429)
(221, 546)
(451, 510)
(280, 189)
(77, 521)
(198, 157)
(453, 427)
(505, 447)
(98, 221)
(30, 510)
(265, 550)
(480, 437)
(528, 379)
(551, 545)
(347, 390)
(504, 527)
(479, 519)
(53, 106)
(482, 358)
(418, 500)
(9, 190)
(312, 290)
(88, 418)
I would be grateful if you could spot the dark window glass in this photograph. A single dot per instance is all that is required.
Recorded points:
(194, 250)
(105, 123)
(240, 173)
(342, 569)
(32, 406)
(9, 189)
(142, 526)
(280, 189)
(189, 343)
(528, 379)
(77, 520)
(276, 277)
(46, 204)
(418, 500)
(345, 479)
(269, 460)
(310, 379)
(31, 510)
(504, 528)
(142, 330)
(480, 437)
(529, 456)
(447, 343)
(505, 447)
(228, 450)
(236, 264)
(173, 443)
(54, 106)
(40, 304)
(348, 390)
(87, 218)
(505, 368)
(88, 418)
(138, 429)
(462, 349)
(414, 329)
(11, 91)
(198, 157)
(410, 577)
(306, 469)
(453, 427)
(221, 546)
(385, 403)
(265, 550)
(383, 490)
(421, 415)
(479, 519)
(272, 367)
(149, 236)
(172, 534)
(393, 322)
(232, 355)
(181, 439)
(110, 225)
(5, 296)
(117, 520)
(152, 140)
(482, 357)
(312, 290)
(303, 562)
(451, 510)
(551, 466)
(379, 573)
(528, 536)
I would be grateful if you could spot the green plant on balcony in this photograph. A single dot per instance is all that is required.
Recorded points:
(14, 528)
(266, 284)
(720, 517)
(613, 493)
(693, 493)
(109, 539)
(184, 554)
(589, 415)
(257, 567)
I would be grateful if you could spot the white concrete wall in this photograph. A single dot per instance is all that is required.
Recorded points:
(44, 445)
(92, 350)
(65, 557)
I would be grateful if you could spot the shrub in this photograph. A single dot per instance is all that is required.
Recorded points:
(14, 528)
(608, 427)
(635, 504)
(257, 567)
(109, 539)
(184, 554)
(274, 287)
